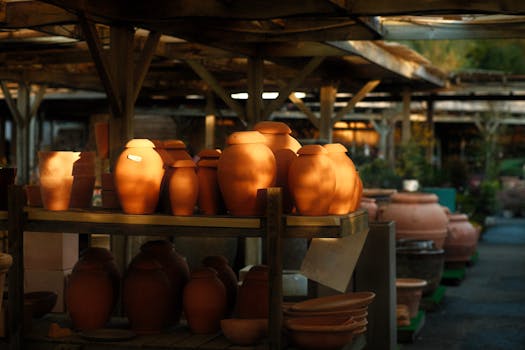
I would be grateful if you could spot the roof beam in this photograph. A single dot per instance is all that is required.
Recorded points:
(29, 14)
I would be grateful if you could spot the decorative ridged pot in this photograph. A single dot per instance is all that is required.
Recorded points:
(417, 216)
(462, 239)
(345, 179)
(246, 167)
(252, 298)
(183, 187)
(146, 295)
(138, 175)
(210, 200)
(420, 259)
(371, 207)
(89, 295)
(7, 177)
(176, 270)
(312, 180)
(6, 261)
(409, 292)
(227, 276)
(204, 301)
(56, 179)
(284, 148)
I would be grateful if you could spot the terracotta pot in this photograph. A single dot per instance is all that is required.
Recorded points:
(417, 216)
(7, 177)
(146, 295)
(176, 270)
(210, 201)
(244, 331)
(107, 181)
(369, 204)
(176, 149)
(83, 164)
(89, 295)
(183, 187)
(312, 179)
(138, 176)
(252, 297)
(420, 259)
(6, 260)
(34, 198)
(462, 238)
(204, 301)
(227, 276)
(354, 300)
(345, 179)
(82, 191)
(102, 139)
(56, 179)
(245, 168)
(110, 200)
(409, 292)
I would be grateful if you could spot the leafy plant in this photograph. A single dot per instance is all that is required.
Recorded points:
(379, 174)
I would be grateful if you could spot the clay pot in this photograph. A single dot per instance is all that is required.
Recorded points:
(83, 164)
(40, 302)
(176, 270)
(110, 199)
(204, 301)
(56, 179)
(369, 204)
(354, 300)
(244, 331)
(227, 276)
(245, 168)
(409, 292)
(420, 259)
(89, 295)
(462, 239)
(210, 199)
(311, 178)
(146, 295)
(358, 192)
(345, 179)
(138, 175)
(252, 297)
(176, 149)
(102, 139)
(7, 177)
(34, 198)
(417, 216)
(6, 261)
(82, 191)
(183, 187)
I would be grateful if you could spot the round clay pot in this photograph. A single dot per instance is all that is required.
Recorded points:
(34, 198)
(138, 175)
(176, 270)
(6, 260)
(417, 216)
(227, 276)
(204, 301)
(252, 297)
(7, 177)
(82, 191)
(409, 292)
(311, 178)
(183, 187)
(345, 179)
(369, 204)
(210, 201)
(245, 168)
(462, 239)
(337, 302)
(102, 139)
(244, 331)
(89, 295)
(146, 295)
(56, 179)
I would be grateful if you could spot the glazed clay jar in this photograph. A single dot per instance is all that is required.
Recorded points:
(138, 175)
(227, 276)
(345, 179)
(183, 187)
(462, 239)
(417, 216)
(252, 298)
(56, 179)
(312, 180)
(245, 168)
(204, 301)
(210, 200)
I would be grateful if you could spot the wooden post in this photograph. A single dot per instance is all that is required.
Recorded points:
(327, 109)
(405, 135)
(255, 104)
(430, 126)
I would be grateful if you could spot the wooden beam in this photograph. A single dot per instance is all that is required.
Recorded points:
(144, 62)
(361, 94)
(255, 105)
(305, 109)
(28, 14)
(328, 93)
(39, 96)
(11, 103)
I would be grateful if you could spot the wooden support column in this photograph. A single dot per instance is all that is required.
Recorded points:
(327, 108)
(3, 155)
(405, 132)
(360, 95)
(430, 127)
(383, 129)
(255, 104)
(305, 109)
(209, 121)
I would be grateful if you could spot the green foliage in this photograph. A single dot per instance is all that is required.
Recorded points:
(379, 174)
(480, 202)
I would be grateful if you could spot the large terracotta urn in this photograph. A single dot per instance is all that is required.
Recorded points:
(138, 175)
(252, 298)
(56, 178)
(246, 167)
(183, 187)
(227, 276)
(417, 216)
(345, 180)
(312, 180)
(462, 239)
(210, 200)
(204, 301)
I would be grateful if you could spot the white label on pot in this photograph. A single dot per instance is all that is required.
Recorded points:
(134, 158)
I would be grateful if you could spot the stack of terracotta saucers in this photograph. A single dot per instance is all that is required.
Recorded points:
(327, 322)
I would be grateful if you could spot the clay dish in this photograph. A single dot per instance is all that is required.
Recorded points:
(335, 302)
(356, 314)
(244, 331)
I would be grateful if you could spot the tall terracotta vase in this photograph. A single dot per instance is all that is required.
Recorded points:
(345, 179)
(417, 216)
(205, 301)
(210, 201)
(138, 176)
(462, 239)
(56, 178)
(245, 168)
(312, 180)
(6, 261)
(252, 298)
(183, 187)
(227, 276)
(7, 177)
(146, 295)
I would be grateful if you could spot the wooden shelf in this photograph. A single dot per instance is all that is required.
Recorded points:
(3, 219)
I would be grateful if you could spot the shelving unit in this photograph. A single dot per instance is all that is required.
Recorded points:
(272, 228)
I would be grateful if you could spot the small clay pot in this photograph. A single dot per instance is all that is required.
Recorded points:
(252, 298)
(227, 276)
(244, 331)
(210, 201)
(462, 239)
(183, 187)
(345, 179)
(56, 179)
(409, 292)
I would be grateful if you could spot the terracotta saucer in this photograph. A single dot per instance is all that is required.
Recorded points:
(335, 302)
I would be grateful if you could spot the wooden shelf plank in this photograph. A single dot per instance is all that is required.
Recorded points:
(334, 226)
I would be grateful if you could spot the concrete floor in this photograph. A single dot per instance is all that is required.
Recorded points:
(486, 311)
